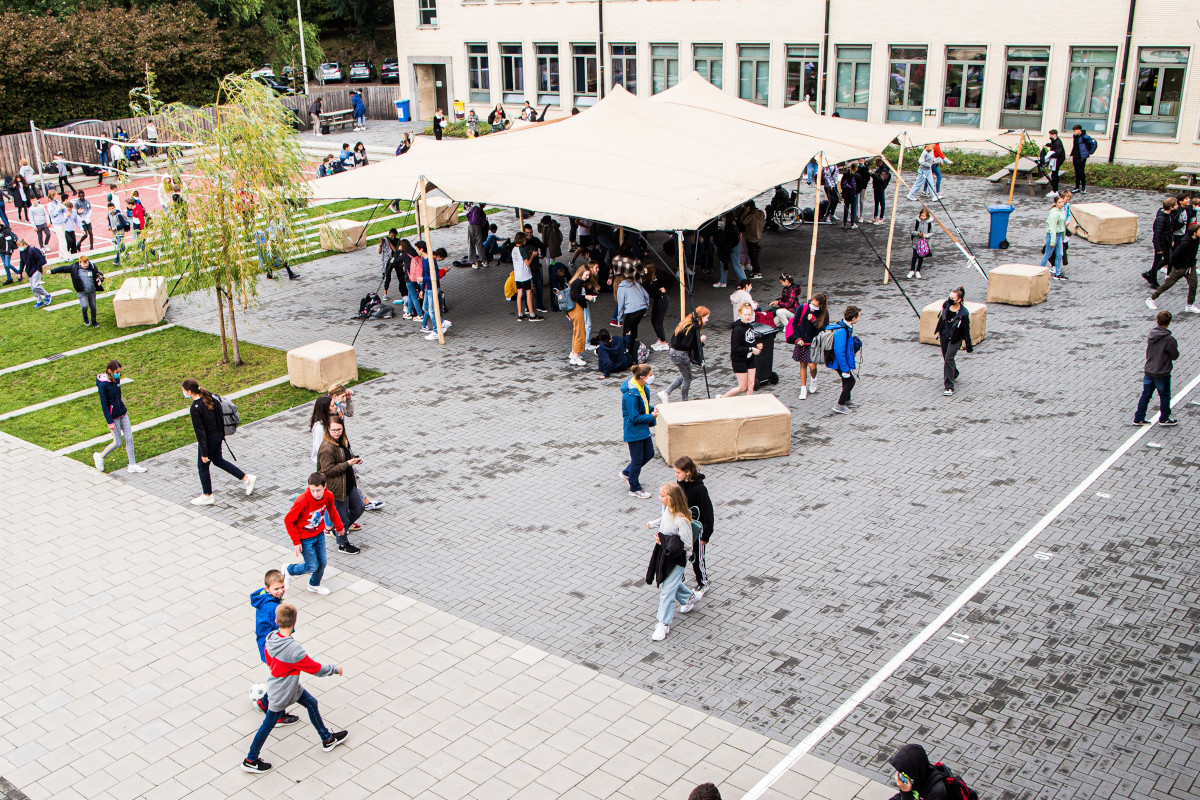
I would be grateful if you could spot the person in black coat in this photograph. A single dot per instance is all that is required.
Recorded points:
(209, 426)
(699, 503)
(915, 777)
(1161, 240)
(849, 197)
(1182, 265)
(32, 262)
(953, 331)
(86, 280)
(1054, 155)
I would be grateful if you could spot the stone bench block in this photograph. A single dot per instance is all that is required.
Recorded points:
(343, 235)
(443, 212)
(929, 318)
(141, 301)
(1103, 223)
(724, 429)
(1018, 284)
(319, 365)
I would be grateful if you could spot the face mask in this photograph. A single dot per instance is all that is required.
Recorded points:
(185, 394)
(117, 376)
(814, 306)
(649, 380)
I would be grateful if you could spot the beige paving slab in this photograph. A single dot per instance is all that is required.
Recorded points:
(130, 621)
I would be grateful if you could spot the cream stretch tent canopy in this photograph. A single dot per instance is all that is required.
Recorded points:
(626, 161)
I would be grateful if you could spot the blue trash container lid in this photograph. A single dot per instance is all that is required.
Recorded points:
(1001, 207)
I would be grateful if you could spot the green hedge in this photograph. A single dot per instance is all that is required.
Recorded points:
(458, 130)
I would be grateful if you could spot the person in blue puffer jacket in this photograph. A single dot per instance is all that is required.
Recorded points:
(638, 417)
(844, 352)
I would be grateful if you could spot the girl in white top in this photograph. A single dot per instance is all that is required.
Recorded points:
(742, 296)
(674, 532)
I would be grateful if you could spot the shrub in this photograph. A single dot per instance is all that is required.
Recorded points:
(458, 130)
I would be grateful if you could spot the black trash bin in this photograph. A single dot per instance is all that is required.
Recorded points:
(764, 362)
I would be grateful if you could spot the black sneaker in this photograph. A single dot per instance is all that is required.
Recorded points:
(1137, 423)
(521, 317)
(255, 766)
(349, 549)
(287, 719)
(1168, 423)
(536, 318)
(332, 742)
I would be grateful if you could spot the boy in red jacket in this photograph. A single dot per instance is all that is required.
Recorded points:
(312, 512)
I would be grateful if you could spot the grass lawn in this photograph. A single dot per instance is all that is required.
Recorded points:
(29, 333)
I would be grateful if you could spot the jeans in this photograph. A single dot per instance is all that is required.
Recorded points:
(313, 549)
(414, 298)
(491, 247)
(640, 453)
(849, 208)
(847, 386)
(536, 272)
(8, 267)
(121, 431)
(360, 121)
(831, 197)
(704, 256)
(1054, 247)
(4, 214)
(1150, 384)
(264, 730)
(215, 459)
(880, 203)
(1173, 276)
(349, 510)
(87, 301)
(587, 323)
(949, 368)
(35, 286)
(117, 237)
(673, 590)
(429, 316)
(729, 261)
(629, 327)
(937, 175)
(683, 361)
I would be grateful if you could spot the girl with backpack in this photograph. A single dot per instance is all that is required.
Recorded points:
(691, 480)
(687, 345)
(670, 557)
(581, 295)
(922, 229)
(209, 424)
(804, 328)
(743, 347)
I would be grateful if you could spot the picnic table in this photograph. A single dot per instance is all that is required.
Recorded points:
(1191, 186)
(337, 119)
(1028, 169)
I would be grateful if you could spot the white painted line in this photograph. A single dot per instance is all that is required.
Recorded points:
(150, 423)
(39, 362)
(927, 633)
(66, 398)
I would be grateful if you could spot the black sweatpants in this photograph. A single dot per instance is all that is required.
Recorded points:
(658, 316)
(629, 328)
(1080, 167)
(847, 385)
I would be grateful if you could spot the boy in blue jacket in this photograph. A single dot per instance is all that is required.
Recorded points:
(265, 602)
(844, 353)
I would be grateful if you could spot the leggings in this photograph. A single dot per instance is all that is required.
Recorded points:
(917, 261)
(629, 328)
(121, 431)
(388, 269)
(658, 315)
(849, 208)
(683, 361)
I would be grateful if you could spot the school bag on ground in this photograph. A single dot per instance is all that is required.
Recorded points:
(230, 418)
(368, 304)
(956, 789)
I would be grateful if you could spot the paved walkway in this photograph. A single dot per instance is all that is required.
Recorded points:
(128, 653)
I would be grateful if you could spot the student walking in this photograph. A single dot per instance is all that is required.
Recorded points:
(83, 209)
(209, 427)
(638, 417)
(939, 159)
(687, 348)
(1161, 353)
(1054, 155)
(1055, 262)
(108, 386)
(287, 659)
(336, 461)
(265, 602)
(850, 197)
(581, 295)
(86, 280)
(1183, 265)
(311, 514)
(700, 508)
(670, 557)
(64, 172)
(632, 303)
(844, 357)
(39, 218)
(1082, 147)
(439, 122)
(953, 331)
(744, 347)
(1056, 227)
(880, 178)
(8, 248)
(32, 262)
(1161, 240)
(922, 231)
(341, 406)
(924, 181)
(657, 286)
(58, 221)
(806, 325)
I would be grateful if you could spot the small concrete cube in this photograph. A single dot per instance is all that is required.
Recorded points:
(320, 365)
(1018, 284)
(343, 235)
(443, 212)
(141, 301)
(929, 319)
(724, 429)
(1103, 223)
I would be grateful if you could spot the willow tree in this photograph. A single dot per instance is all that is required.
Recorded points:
(233, 181)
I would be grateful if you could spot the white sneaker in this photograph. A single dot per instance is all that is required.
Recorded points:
(431, 337)
(718, 286)
(1191, 309)
(660, 632)
(660, 346)
(640, 495)
(1150, 304)
(812, 385)
(803, 392)
(250, 479)
(697, 596)
(1051, 194)
(576, 361)
(287, 576)
(590, 347)
(446, 324)
(918, 273)
(664, 398)
(317, 589)
(911, 273)
(203, 500)
(98, 460)
(135, 468)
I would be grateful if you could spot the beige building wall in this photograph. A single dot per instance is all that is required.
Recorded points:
(779, 23)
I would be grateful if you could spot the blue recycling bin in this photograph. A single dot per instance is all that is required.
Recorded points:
(998, 235)
(402, 114)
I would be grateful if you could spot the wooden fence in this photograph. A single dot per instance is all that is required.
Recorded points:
(380, 100)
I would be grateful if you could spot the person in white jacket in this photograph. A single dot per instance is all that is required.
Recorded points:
(924, 181)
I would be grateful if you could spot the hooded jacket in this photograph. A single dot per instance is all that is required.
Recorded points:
(669, 552)
(110, 397)
(1162, 232)
(697, 497)
(613, 356)
(636, 413)
(843, 347)
(913, 762)
(287, 659)
(955, 326)
(264, 618)
(1161, 352)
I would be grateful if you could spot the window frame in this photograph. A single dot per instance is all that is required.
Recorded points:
(964, 64)
(852, 109)
(1158, 118)
(708, 61)
(582, 97)
(1016, 116)
(626, 60)
(907, 113)
(762, 72)
(665, 60)
(427, 8)
(512, 66)
(793, 55)
(479, 66)
(550, 90)
(1091, 121)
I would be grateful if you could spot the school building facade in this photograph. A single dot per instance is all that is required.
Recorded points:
(1021, 64)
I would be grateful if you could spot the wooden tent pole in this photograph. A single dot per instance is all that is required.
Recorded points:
(433, 270)
(887, 271)
(812, 248)
(1012, 187)
(682, 280)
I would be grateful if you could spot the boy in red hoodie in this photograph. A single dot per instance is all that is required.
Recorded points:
(306, 521)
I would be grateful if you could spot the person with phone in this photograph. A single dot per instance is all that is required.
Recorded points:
(337, 461)
(915, 777)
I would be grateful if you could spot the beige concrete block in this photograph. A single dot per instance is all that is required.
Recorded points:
(443, 212)
(1103, 223)
(929, 318)
(141, 301)
(343, 235)
(1018, 284)
(319, 365)
(724, 429)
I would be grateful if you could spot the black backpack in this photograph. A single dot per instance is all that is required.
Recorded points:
(367, 306)
(956, 788)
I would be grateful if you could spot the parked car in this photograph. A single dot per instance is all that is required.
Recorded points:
(390, 72)
(265, 71)
(362, 72)
(274, 85)
(331, 72)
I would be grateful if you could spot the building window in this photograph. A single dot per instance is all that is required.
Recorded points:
(479, 82)
(547, 74)
(754, 72)
(1090, 87)
(584, 71)
(906, 83)
(1159, 92)
(1024, 87)
(624, 66)
(964, 85)
(853, 90)
(512, 73)
(709, 60)
(427, 13)
(803, 74)
(664, 67)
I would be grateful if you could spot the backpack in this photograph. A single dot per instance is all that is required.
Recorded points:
(697, 525)
(791, 333)
(368, 304)
(821, 350)
(956, 789)
(643, 353)
(230, 418)
(563, 298)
